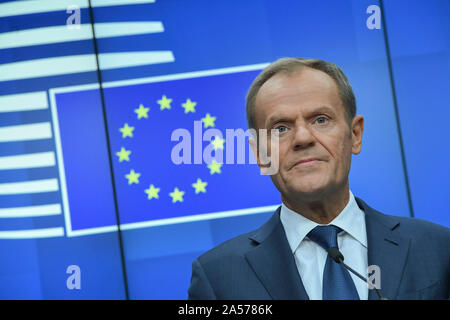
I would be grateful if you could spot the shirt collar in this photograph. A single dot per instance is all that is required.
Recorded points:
(351, 219)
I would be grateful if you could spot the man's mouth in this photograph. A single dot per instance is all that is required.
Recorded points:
(306, 162)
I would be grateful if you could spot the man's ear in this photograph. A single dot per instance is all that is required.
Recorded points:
(357, 132)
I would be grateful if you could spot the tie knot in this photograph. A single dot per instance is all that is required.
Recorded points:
(325, 236)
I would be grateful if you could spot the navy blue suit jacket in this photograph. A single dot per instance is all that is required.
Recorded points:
(413, 256)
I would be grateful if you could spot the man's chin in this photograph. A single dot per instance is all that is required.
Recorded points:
(308, 192)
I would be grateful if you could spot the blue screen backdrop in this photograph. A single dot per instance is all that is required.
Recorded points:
(92, 109)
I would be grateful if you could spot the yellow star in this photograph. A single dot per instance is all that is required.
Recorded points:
(127, 131)
(189, 106)
(208, 121)
(152, 192)
(218, 143)
(142, 111)
(133, 177)
(123, 154)
(200, 186)
(164, 103)
(214, 167)
(177, 195)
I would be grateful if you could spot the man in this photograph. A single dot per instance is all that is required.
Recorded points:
(311, 105)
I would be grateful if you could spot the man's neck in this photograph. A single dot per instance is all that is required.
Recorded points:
(321, 211)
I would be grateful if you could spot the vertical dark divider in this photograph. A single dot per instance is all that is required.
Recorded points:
(102, 97)
(394, 97)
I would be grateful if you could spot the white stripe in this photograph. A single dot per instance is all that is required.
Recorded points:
(130, 59)
(80, 63)
(60, 159)
(23, 101)
(88, 231)
(31, 211)
(168, 77)
(32, 234)
(46, 35)
(116, 29)
(34, 131)
(34, 186)
(58, 34)
(14, 8)
(47, 67)
(198, 217)
(179, 76)
(105, 3)
(25, 161)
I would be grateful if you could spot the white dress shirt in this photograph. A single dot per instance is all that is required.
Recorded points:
(310, 257)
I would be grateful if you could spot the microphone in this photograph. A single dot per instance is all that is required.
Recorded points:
(337, 256)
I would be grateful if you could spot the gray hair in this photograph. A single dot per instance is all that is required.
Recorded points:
(289, 66)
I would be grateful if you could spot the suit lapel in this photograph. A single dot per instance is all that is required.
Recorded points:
(386, 249)
(273, 262)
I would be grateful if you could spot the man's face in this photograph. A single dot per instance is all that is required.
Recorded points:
(306, 110)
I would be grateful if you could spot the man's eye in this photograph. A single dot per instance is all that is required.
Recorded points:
(281, 128)
(321, 120)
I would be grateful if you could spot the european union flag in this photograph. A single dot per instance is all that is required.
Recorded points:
(151, 185)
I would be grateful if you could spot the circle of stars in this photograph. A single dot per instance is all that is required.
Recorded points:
(152, 191)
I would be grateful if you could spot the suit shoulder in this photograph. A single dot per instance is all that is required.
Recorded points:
(419, 229)
(414, 227)
(418, 224)
(234, 247)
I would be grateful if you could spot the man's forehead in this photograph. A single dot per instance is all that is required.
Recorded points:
(298, 79)
(303, 85)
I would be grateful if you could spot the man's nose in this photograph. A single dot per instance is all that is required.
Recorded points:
(303, 137)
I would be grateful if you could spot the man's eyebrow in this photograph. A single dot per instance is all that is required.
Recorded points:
(323, 109)
(279, 118)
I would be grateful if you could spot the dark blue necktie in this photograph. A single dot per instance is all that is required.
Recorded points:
(337, 283)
